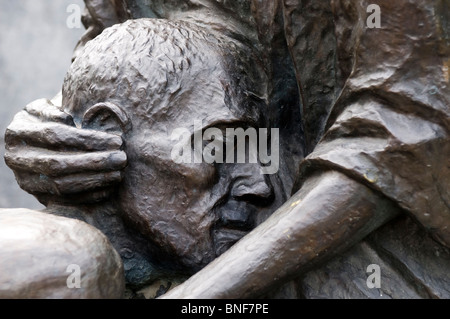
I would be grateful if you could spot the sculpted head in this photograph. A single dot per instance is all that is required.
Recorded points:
(146, 78)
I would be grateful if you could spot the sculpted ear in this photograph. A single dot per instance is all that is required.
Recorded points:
(107, 117)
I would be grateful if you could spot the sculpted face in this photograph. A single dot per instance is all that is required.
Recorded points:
(194, 211)
(191, 211)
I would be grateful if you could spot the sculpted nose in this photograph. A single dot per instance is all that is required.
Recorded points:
(250, 191)
(252, 186)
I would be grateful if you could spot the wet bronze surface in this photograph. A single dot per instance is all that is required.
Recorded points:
(364, 127)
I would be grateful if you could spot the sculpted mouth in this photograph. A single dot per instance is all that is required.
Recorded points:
(224, 238)
(235, 220)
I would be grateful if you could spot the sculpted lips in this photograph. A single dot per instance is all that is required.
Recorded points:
(225, 238)
(236, 219)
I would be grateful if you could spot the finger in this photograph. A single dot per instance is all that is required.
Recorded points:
(103, 12)
(57, 164)
(57, 100)
(70, 184)
(58, 136)
(46, 111)
(84, 198)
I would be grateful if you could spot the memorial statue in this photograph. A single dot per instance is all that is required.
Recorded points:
(364, 142)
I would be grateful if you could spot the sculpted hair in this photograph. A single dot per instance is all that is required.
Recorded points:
(144, 63)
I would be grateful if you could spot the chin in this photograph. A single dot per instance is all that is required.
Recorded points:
(193, 262)
(225, 238)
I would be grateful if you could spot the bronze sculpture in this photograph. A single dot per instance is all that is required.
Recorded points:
(372, 117)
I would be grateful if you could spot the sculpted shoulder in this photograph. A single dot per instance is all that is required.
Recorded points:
(46, 256)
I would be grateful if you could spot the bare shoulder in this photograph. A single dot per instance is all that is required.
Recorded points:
(46, 256)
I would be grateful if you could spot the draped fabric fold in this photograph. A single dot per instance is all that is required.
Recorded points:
(385, 115)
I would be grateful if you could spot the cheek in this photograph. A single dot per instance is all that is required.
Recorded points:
(158, 158)
(196, 176)
(169, 213)
(155, 194)
(169, 203)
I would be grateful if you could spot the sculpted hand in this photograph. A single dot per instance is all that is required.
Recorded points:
(57, 162)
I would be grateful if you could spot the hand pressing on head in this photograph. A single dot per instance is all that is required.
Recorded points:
(58, 162)
(99, 15)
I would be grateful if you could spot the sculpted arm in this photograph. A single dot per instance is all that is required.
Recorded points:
(330, 213)
(385, 150)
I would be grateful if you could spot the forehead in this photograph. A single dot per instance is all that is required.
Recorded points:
(211, 98)
(171, 86)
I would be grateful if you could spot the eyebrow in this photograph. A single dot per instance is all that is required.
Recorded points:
(234, 123)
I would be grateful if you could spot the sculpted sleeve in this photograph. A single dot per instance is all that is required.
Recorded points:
(389, 123)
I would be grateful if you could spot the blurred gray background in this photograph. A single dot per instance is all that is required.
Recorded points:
(36, 46)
